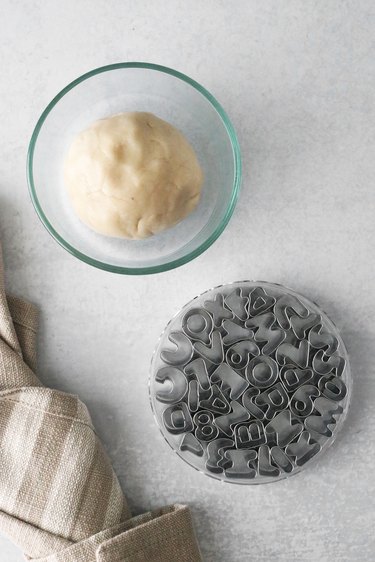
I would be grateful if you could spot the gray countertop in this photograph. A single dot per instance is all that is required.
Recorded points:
(297, 79)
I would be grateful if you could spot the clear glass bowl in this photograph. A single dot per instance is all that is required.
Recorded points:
(136, 87)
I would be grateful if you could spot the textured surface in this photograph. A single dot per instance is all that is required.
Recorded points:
(297, 80)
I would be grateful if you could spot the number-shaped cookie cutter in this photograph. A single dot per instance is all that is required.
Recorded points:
(250, 382)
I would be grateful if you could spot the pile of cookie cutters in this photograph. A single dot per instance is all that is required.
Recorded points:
(250, 382)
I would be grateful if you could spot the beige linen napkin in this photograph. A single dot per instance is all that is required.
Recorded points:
(60, 500)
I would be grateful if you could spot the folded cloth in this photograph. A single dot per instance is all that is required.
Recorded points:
(60, 500)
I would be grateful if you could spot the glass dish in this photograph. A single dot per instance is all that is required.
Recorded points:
(136, 87)
(272, 400)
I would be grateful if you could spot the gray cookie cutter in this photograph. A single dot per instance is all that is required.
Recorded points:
(250, 382)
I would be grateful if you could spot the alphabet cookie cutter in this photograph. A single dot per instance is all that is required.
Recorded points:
(250, 382)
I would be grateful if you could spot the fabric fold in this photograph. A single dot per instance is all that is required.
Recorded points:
(60, 500)
(163, 535)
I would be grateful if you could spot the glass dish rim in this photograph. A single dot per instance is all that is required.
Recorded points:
(153, 268)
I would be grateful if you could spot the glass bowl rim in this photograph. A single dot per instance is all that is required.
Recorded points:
(153, 268)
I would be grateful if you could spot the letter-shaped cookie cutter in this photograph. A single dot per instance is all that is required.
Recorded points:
(249, 435)
(239, 354)
(237, 303)
(197, 325)
(327, 410)
(217, 310)
(242, 463)
(178, 382)
(183, 350)
(216, 401)
(205, 428)
(272, 400)
(215, 454)
(213, 351)
(285, 306)
(248, 401)
(265, 466)
(234, 333)
(303, 400)
(281, 459)
(262, 371)
(228, 421)
(194, 396)
(177, 418)
(324, 364)
(303, 449)
(292, 377)
(283, 429)
(267, 331)
(300, 325)
(332, 387)
(250, 382)
(295, 354)
(320, 339)
(260, 301)
(198, 369)
(190, 443)
(229, 381)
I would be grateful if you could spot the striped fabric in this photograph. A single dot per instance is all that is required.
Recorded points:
(60, 500)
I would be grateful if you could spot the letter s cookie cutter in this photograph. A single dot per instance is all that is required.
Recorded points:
(250, 382)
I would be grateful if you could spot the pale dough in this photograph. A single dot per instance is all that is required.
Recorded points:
(132, 175)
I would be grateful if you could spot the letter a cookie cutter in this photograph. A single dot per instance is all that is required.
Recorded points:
(250, 382)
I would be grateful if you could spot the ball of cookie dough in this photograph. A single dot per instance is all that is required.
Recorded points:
(132, 175)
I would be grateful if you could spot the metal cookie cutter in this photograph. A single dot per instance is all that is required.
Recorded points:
(250, 382)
